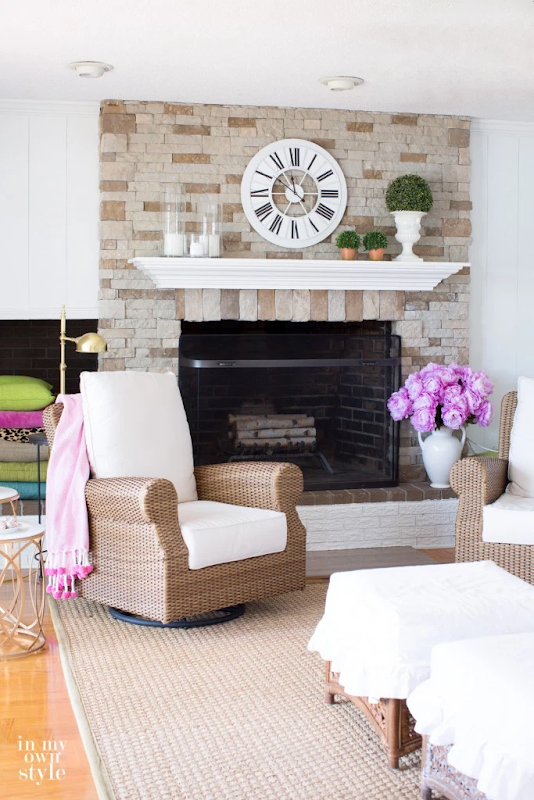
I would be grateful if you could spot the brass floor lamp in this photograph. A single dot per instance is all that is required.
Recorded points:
(87, 343)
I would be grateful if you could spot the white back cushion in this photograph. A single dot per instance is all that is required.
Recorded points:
(135, 426)
(521, 466)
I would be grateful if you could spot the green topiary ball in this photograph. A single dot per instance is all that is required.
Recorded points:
(349, 240)
(375, 240)
(409, 193)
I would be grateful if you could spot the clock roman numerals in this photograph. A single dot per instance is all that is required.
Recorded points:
(311, 162)
(294, 155)
(325, 175)
(260, 193)
(263, 211)
(276, 224)
(329, 193)
(294, 229)
(269, 177)
(314, 226)
(277, 160)
(324, 211)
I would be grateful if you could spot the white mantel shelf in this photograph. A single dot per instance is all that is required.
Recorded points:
(293, 273)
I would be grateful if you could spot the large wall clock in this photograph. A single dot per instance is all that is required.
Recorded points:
(294, 193)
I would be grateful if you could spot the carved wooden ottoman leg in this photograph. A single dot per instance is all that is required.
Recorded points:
(389, 717)
(329, 695)
(393, 761)
(393, 732)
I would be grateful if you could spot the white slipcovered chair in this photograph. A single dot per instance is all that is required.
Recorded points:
(495, 517)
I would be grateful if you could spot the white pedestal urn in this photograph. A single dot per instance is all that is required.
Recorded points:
(408, 233)
(441, 450)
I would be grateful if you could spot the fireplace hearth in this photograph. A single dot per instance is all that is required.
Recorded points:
(310, 393)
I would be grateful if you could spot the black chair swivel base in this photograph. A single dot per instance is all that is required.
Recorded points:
(193, 621)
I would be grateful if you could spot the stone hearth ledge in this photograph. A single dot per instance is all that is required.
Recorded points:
(415, 491)
(291, 273)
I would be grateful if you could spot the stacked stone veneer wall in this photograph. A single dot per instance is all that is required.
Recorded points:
(147, 146)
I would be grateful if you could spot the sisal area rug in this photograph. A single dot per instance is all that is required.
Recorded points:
(232, 712)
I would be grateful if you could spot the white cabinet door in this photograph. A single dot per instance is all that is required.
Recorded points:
(49, 200)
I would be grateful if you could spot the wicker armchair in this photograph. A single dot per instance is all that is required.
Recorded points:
(478, 482)
(141, 560)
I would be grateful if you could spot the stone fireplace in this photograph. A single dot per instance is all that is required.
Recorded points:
(147, 146)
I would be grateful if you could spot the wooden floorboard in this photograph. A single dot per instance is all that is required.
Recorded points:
(443, 555)
(35, 707)
(321, 563)
(35, 704)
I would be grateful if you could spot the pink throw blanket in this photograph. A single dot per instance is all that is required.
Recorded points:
(21, 419)
(67, 525)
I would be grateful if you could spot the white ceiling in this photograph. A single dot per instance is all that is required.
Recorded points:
(473, 57)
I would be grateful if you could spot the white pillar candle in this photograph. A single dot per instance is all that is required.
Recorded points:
(173, 244)
(214, 245)
(197, 249)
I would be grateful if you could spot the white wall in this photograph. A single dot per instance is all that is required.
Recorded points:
(49, 198)
(502, 257)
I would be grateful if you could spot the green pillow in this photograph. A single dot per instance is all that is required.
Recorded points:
(12, 380)
(12, 471)
(21, 396)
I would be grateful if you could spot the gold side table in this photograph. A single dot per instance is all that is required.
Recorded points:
(11, 496)
(22, 591)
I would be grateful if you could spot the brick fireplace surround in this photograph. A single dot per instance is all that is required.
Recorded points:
(145, 146)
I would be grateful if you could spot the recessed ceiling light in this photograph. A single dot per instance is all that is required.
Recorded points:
(90, 69)
(341, 83)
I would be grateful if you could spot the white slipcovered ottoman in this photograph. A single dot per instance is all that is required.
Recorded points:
(476, 710)
(380, 625)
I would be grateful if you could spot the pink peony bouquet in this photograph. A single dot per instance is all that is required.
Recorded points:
(438, 395)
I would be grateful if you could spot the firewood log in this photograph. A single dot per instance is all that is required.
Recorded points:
(256, 422)
(277, 433)
(307, 441)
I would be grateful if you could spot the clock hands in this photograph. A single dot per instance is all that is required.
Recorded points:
(284, 184)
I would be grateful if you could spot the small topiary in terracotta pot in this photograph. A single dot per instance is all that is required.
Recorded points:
(348, 242)
(375, 242)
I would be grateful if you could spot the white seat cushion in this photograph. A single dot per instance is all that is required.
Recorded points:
(521, 457)
(509, 520)
(480, 699)
(135, 426)
(217, 533)
(380, 625)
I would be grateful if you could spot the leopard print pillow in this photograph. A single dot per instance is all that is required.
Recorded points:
(18, 434)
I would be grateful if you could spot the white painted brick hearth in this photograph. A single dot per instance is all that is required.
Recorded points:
(426, 523)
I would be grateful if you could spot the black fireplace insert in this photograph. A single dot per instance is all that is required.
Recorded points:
(313, 394)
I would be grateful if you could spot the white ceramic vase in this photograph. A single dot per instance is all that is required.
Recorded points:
(408, 233)
(440, 451)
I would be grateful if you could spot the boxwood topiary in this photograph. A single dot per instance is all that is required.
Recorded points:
(349, 240)
(409, 193)
(375, 240)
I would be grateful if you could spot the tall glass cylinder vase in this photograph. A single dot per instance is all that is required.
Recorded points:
(174, 243)
(214, 229)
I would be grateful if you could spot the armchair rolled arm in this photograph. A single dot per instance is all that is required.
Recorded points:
(277, 486)
(134, 501)
(480, 478)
